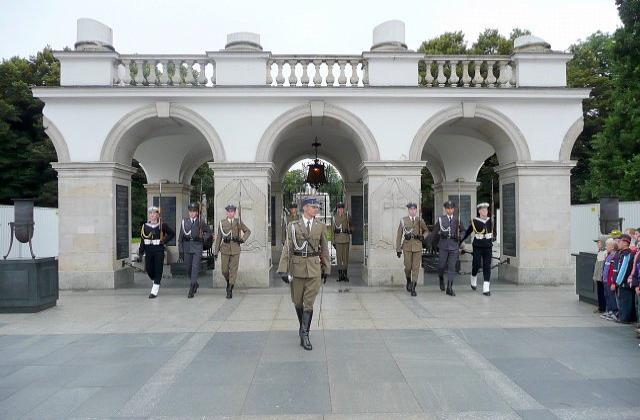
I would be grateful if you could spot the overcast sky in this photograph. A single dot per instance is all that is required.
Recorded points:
(322, 26)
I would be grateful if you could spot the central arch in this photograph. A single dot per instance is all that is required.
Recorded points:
(367, 145)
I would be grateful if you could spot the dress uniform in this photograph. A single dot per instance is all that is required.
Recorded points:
(342, 240)
(482, 229)
(293, 213)
(231, 233)
(411, 231)
(153, 237)
(448, 229)
(193, 232)
(305, 264)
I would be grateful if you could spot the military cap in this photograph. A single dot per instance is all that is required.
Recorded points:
(412, 205)
(153, 209)
(293, 205)
(481, 205)
(449, 204)
(340, 205)
(309, 201)
(194, 206)
(230, 207)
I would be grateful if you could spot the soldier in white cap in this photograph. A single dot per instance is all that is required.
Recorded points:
(482, 229)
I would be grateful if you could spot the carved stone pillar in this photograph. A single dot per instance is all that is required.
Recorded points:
(246, 185)
(388, 187)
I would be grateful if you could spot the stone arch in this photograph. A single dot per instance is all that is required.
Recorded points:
(365, 139)
(570, 139)
(111, 144)
(484, 112)
(56, 137)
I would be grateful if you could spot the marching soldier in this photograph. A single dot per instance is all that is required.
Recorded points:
(153, 238)
(411, 231)
(342, 240)
(293, 213)
(482, 228)
(193, 232)
(449, 230)
(304, 264)
(231, 233)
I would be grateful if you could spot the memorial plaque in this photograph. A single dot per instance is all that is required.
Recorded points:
(464, 209)
(168, 208)
(357, 220)
(122, 222)
(509, 219)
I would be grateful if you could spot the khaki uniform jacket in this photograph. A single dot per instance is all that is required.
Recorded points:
(419, 227)
(235, 229)
(292, 218)
(305, 267)
(342, 224)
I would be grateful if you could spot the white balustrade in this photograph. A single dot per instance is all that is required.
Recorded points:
(316, 71)
(466, 71)
(164, 70)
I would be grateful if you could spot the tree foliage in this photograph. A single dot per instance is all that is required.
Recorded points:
(615, 163)
(25, 149)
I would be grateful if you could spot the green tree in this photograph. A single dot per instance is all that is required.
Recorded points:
(590, 67)
(616, 149)
(293, 182)
(450, 43)
(25, 150)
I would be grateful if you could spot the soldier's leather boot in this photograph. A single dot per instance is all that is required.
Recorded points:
(231, 291)
(344, 275)
(195, 290)
(227, 289)
(191, 293)
(450, 291)
(339, 275)
(441, 283)
(299, 313)
(306, 324)
(413, 288)
(408, 283)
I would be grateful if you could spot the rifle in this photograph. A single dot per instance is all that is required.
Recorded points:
(160, 212)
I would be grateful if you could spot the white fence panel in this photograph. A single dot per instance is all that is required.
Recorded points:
(45, 237)
(585, 226)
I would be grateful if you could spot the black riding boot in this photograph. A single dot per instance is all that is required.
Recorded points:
(344, 276)
(299, 313)
(408, 283)
(441, 283)
(191, 291)
(413, 288)
(340, 276)
(195, 289)
(450, 291)
(306, 324)
(230, 292)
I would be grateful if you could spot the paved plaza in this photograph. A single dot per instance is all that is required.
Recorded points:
(525, 352)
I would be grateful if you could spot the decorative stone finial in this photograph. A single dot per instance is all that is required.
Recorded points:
(93, 36)
(530, 43)
(389, 36)
(243, 41)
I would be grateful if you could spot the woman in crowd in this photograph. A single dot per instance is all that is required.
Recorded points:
(611, 306)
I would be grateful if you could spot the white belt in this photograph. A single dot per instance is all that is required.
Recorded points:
(152, 241)
(483, 236)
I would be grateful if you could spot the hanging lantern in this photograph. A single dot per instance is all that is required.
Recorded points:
(316, 174)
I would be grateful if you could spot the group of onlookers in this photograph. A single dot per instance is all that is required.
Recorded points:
(617, 274)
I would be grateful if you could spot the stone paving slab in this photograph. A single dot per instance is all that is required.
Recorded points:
(378, 354)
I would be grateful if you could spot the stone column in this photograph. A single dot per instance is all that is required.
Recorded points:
(175, 199)
(535, 220)
(276, 191)
(245, 184)
(448, 190)
(94, 203)
(353, 192)
(389, 186)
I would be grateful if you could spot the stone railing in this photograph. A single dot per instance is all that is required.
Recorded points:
(164, 70)
(317, 70)
(466, 71)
